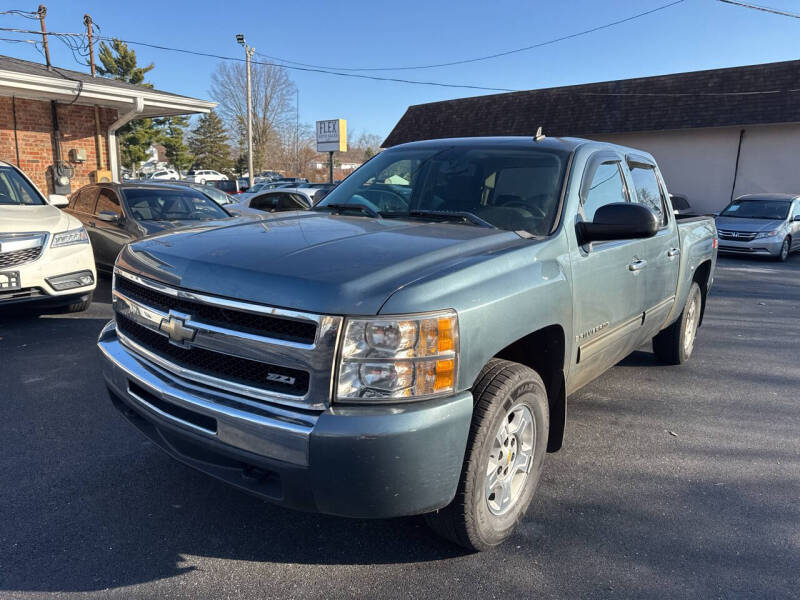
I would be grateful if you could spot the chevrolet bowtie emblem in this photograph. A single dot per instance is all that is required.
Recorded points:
(175, 327)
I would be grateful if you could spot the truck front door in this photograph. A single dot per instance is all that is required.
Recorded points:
(608, 295)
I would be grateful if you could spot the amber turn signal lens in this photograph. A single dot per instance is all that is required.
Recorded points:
(446, 342)
(445, 374)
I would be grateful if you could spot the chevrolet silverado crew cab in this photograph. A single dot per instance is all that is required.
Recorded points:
(408, 345)
(45, 254)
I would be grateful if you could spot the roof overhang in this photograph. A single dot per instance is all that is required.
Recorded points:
(94, 93)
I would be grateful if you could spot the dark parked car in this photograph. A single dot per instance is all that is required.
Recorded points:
(117, 213)
(229, 186)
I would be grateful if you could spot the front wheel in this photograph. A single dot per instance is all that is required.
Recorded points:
(675, 344)
(784, 253)
(81, 305)
(504, 458)
(202, 182)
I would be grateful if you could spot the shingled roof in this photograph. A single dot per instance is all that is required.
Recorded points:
(713, 98)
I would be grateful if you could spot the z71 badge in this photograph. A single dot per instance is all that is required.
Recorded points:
(277, 378)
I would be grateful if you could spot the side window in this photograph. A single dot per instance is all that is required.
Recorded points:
(796, 211)
(265, 202)
(84, 202)
(288, 202)
(107, 200)
(607, 186)
(648, 191)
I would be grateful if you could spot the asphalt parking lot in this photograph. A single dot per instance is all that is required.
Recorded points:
(674, 482)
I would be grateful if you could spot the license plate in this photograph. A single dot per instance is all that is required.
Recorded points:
(9, 280)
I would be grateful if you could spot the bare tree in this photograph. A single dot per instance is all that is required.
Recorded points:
(273, 105)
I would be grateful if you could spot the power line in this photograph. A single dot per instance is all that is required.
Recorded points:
(556, 91)
(765, 9)
(21, 13)
(490, 56)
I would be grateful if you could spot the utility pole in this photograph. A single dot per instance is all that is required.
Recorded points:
(42, 14)
(249, 54)
(87, 20)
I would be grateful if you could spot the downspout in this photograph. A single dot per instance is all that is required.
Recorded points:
(113, 159)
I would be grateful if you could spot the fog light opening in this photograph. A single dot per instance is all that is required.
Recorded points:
(70, 281)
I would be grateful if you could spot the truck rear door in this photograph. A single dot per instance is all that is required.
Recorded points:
(661, 253)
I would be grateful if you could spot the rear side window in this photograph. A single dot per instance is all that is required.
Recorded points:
(15, 189)
(289, 202)
(265, 202)
(607, 186)
(84, 201)
(108, 201)
(648, 191)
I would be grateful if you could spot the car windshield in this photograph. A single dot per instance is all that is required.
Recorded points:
(172, 205)
(15, 189)
(508, 188)
(758, 209)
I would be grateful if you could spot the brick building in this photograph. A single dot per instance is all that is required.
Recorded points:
(59, 123)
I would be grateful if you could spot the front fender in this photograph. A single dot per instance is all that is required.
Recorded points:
(499, 298)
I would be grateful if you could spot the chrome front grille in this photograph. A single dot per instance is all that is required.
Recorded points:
(736, 236)
(269, 354)
(20, 248)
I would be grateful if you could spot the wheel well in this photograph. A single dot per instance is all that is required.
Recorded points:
(702, 274)
(543, 351)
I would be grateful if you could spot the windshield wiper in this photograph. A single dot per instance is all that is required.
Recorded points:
(445, 214)
(340, 206)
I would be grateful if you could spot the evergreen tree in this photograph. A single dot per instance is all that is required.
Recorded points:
(176, 149)
(209, 143)
(135, 138)
(119, 62)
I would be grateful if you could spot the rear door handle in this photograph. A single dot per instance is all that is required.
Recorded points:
(637, 265)
(673, 252)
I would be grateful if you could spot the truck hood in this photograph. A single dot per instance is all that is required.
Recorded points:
(750, 225)
(23, 219)
(311, 261)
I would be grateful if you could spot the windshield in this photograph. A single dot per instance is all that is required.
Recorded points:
(15, 189)
(758, 209)
(508, 188)
(172, 205)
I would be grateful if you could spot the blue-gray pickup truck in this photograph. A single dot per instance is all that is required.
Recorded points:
(408, 345)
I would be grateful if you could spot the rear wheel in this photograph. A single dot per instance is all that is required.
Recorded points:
(675, 344)
(784, 253)
(504, 458)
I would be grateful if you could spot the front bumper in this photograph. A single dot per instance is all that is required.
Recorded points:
(52, 263)
(368, 462)
(764, 247)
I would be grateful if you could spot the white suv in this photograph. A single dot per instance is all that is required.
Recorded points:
(45, 254)
(170, 174)
(204, 175)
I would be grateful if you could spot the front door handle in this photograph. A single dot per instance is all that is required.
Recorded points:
(673, 252)
(637, 265)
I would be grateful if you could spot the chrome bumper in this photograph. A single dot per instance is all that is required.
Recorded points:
(263, 430)
(360, 461)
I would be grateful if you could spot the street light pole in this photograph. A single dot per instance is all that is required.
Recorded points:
(249, 54)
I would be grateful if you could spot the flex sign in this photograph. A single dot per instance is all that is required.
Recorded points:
(332, 135)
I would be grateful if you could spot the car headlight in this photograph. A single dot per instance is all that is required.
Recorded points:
(70, 237)
(766, 234)
(398, 358)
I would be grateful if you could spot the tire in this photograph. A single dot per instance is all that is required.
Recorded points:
(675, 344)
(785, 249)
(79, 306)
(479, 517)
(202, 182)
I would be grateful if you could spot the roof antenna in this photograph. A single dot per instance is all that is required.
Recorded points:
(539, 135)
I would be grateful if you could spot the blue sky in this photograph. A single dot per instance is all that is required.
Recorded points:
(697, 34)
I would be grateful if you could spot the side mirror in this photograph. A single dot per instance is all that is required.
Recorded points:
(58, 200)
(618, 221)
(109, 216)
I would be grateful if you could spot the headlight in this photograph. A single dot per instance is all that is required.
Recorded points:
(766, 234)
(70, 237)
(398, 358)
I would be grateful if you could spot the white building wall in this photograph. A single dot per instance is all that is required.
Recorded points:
(700, 163)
